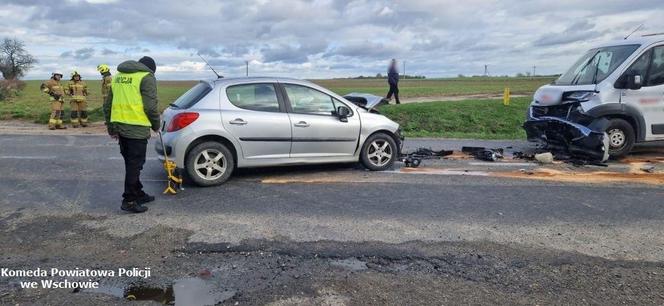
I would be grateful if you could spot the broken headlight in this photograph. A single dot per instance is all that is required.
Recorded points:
(578, 96)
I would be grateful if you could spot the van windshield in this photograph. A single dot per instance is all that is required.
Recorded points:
(193, 95)
(597, 64)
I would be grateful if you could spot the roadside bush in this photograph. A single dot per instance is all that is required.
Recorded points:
(10, 88)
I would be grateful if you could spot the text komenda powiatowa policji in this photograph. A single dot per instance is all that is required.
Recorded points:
(55, 278)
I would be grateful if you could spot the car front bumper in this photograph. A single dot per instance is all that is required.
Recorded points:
(586, 141)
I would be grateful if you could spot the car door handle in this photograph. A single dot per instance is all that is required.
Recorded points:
(238, 121)
(302, 124)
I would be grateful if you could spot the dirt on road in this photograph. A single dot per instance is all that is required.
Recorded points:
(20, 127)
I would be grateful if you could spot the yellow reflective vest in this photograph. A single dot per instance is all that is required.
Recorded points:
(127, 105)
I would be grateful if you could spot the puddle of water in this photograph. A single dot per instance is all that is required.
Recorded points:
(352, 264)
(191, 291)
(164, 296)
(197, 292)
(108, 290)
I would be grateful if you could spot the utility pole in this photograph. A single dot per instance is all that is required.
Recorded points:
(486, 70)
(247, 67)
(534, 70)
(404, 69)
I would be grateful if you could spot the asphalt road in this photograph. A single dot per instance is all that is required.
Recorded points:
(72, 184)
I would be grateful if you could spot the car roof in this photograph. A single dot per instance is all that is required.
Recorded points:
(645, 40)
(254, 79)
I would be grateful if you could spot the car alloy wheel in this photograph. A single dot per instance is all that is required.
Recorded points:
(210, 164)
(379, 152)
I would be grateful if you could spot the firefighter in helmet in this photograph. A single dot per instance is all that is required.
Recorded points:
(56, 93)
(78, 91)
(106, 80)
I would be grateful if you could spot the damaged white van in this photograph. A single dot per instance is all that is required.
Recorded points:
(610, 99)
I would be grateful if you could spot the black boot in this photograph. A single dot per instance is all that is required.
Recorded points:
(146, 198)
(133, 207)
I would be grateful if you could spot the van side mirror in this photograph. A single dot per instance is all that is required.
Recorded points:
(343, 113)
(635, 82)
(630, 80)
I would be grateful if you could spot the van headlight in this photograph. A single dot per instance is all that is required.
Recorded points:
(578, 96)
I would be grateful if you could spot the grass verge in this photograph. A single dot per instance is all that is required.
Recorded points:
(476, 119)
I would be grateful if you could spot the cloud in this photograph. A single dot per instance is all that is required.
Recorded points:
(107, 51)
(321, 38)
(80, 54)
(579, 31)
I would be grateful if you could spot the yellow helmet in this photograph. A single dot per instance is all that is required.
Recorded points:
(75, 73)
(103, 68)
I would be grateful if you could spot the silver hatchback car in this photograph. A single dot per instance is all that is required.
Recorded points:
(230, 123)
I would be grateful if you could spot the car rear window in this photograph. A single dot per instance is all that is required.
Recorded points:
(193, 95)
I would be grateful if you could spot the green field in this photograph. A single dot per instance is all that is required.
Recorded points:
(477, 119)
(34, 106)
(438, 87)
(469, 118)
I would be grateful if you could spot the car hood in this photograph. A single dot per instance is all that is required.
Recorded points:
(366, 101)
(548, 95)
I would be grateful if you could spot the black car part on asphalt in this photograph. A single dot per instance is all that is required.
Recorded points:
(414, 159)
(482, 153)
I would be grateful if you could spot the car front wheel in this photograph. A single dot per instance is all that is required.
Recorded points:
(621, 137)
(209, 164)
(379, 152)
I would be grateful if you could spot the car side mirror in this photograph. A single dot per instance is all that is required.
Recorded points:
(630, 80)
(343, 113)
(635, 82)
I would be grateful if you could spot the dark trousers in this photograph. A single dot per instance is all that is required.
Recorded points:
(133, 151)
(394, 90)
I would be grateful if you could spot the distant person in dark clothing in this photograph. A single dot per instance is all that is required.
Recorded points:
(393, 80)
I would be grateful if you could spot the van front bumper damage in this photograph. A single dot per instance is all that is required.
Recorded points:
(578, 140)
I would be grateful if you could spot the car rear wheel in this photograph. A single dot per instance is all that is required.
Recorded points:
(379, 152)
(621, 137)
(209, 163)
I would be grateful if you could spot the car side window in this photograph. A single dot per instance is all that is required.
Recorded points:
(656, 72)
(256, 97)
(307, 100)
(640, 67)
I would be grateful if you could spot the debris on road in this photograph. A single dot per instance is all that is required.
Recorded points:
(414, 159)
(522, 155)
(648, 168)
(423, 152)
(482, 153)
(544, 158)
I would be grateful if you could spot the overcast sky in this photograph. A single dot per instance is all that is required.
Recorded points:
(320, 39)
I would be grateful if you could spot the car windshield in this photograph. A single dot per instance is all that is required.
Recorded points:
(597, 64)
(193, 95)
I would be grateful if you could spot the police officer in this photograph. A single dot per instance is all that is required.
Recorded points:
(106, 80)
(56, 93)
(130, 111)
(78, 91)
